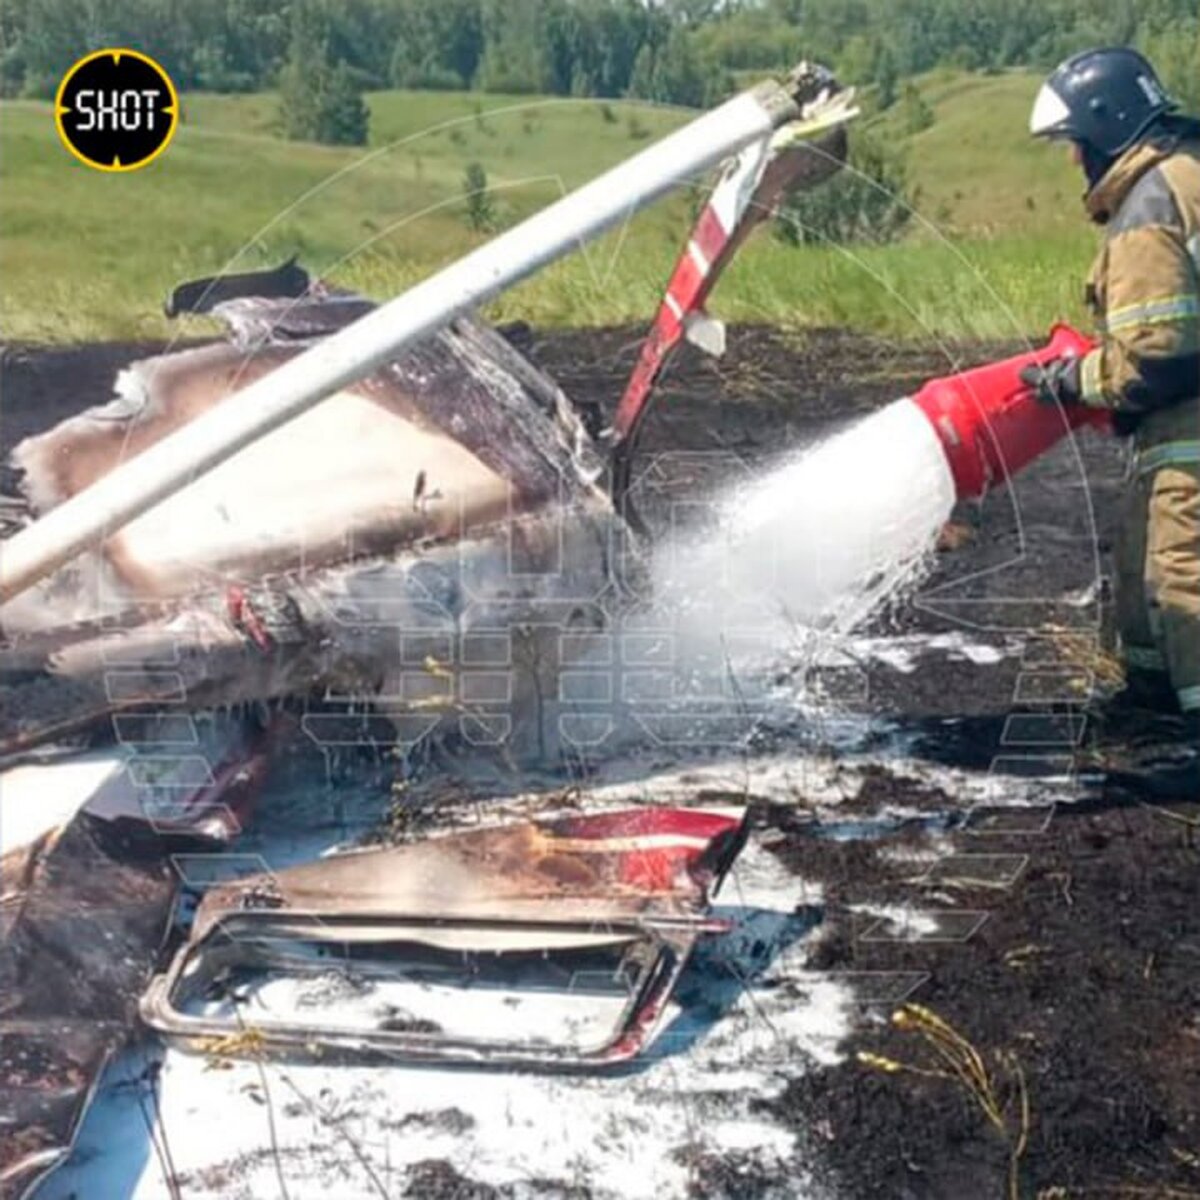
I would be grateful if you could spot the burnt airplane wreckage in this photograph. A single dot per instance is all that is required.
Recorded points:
(592, 918)
(389, 562)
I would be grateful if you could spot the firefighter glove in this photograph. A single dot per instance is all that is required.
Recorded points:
(1055, 382)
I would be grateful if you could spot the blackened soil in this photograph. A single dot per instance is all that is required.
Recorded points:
(1085, 971)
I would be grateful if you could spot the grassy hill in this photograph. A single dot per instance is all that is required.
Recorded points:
(85, 252)
(998, 250)
(977, 167)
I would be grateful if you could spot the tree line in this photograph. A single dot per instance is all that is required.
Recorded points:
(675, 51)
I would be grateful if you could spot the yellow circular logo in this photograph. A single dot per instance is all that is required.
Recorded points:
(116, 110)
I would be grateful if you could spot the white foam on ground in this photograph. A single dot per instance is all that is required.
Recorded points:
(748, 1016)
(914, 922)
(816, 782)
(905, 654)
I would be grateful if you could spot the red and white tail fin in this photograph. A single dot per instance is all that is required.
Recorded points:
(709, 247)
(798, 155)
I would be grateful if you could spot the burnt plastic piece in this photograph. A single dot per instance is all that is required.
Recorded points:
(289, 279)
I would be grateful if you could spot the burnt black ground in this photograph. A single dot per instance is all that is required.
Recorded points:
(1086, 971)
(1087, 968)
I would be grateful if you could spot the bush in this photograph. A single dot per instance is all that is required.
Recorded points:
(322, 105)
(344, 114)
(481, 213)
(869, 200)
(915, 113)
(319, 102)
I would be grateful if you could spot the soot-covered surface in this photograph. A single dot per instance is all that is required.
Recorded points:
(1063, 937)
(1084, 971)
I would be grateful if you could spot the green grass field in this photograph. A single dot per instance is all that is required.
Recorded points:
(998, 248)
(977, 169)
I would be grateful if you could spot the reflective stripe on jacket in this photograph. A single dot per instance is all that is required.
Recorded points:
(1144, 289)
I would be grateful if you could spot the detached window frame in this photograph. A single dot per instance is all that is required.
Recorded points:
(258, 938)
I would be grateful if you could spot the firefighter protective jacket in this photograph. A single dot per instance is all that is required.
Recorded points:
(1144, 289)
(1145, 292)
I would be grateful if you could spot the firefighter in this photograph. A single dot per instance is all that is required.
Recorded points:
(1142, 163)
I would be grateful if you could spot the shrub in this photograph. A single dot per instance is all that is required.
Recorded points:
(318, 101)
(481, 213)
(915, 113)
(868, 200)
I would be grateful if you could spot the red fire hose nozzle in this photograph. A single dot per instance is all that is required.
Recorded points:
(992, 425)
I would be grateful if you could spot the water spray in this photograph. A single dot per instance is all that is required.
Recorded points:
(816, 543)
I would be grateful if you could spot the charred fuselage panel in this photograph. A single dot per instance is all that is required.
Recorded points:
(352, 554)
(87, 889)
(456, 436)
(585, 922)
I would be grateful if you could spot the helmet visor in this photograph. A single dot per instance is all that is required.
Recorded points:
(1050, 117)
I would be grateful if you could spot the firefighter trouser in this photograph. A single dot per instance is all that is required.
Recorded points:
(1158, 556)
